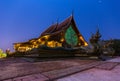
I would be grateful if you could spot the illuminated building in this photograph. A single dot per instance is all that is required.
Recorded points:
(64, 34)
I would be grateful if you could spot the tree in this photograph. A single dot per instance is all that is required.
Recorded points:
(116, 45)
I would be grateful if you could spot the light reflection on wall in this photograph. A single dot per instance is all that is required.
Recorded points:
(36, 43)
(85, 43)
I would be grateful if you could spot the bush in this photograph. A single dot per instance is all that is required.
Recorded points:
(2, 55)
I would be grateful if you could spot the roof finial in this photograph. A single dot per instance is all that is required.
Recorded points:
(98, 32)
(97, 26)
(57, 20)
(72, 13)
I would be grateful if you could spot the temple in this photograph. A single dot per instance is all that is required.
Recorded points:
(64, 34)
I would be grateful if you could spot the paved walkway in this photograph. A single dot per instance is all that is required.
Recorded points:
(60, 70)
(109, 71)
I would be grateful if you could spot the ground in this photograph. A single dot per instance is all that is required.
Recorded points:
(72, 69)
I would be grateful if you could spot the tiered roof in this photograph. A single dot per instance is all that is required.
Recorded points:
(56, 28)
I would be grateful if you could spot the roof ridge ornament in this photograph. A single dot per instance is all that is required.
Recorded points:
(72, 13)
(57, 21)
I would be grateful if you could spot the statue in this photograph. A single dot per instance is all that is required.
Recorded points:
(100, 48)
(94, 40)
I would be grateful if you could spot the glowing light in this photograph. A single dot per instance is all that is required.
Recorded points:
(34, 42)
(79, 44)
(2, 55)
(42, 41)
(46, 36)
(62, 40)
(23, 49)
(39, 40)
(50, 44)
(85, 43)
(54, 44)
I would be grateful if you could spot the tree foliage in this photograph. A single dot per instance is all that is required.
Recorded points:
(116, 45)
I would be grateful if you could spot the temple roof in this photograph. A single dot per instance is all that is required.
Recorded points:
(57, 27)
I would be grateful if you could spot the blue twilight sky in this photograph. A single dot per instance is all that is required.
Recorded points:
(21, 20)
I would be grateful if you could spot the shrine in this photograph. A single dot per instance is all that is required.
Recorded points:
(64, 34)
